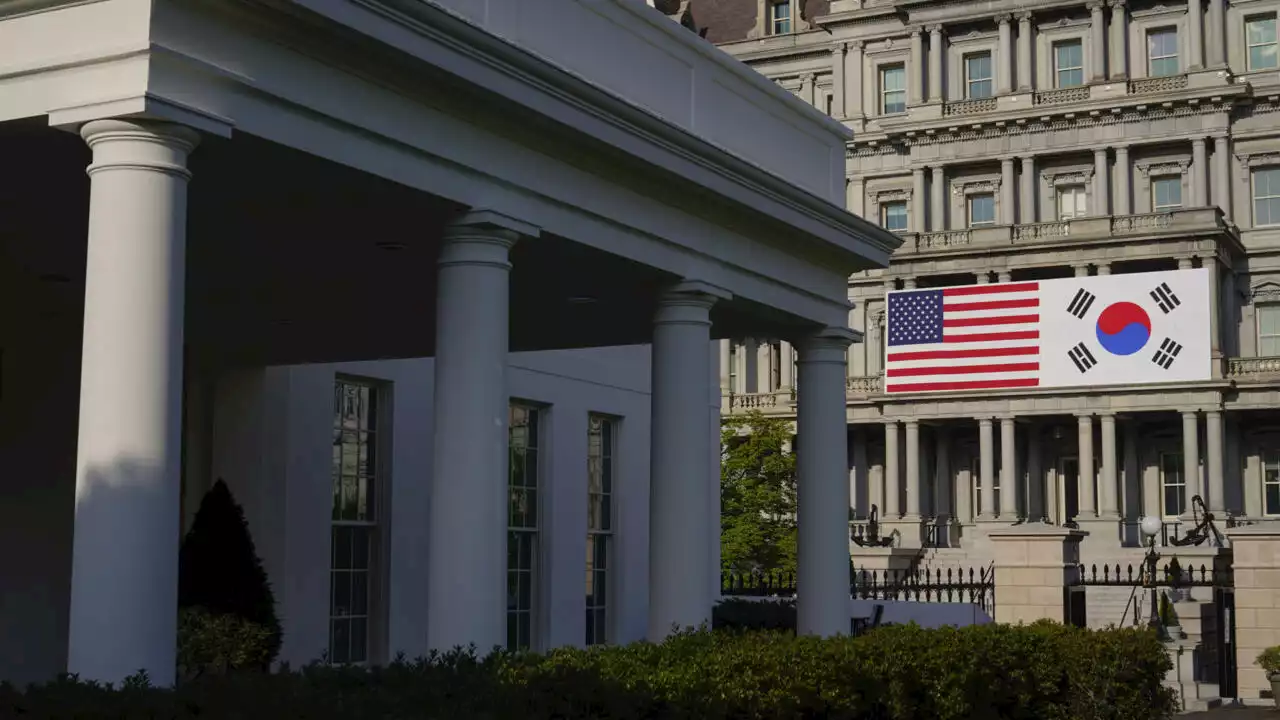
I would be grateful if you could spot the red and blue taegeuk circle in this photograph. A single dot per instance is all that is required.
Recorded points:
(1123, 328)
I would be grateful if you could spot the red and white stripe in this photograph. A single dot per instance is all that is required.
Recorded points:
(991, 340)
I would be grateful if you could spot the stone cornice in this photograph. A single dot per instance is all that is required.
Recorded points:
(1165, 167)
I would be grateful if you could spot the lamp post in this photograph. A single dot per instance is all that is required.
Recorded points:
(1151, 527)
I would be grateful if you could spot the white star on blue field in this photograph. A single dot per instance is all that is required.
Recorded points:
(915, 318)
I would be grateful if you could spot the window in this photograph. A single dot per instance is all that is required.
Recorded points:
(1266, 196)
(893, 216)
(1166, 193)
(1260, 37)
(1068, 64)
(1271, 484)
(893, 90)
(354, 529)
(1162, 52)
(600, 438)
(977, 71)
(522, 524)
(1071, 202)
(982, 209)
(1172, 484)
(780, 17)
(1268, 330)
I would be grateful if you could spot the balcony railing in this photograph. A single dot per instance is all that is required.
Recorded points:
(1253, 368)
(1144, 86)
(1062, 95)
(860, 386)
(969, 107)
(776, 401)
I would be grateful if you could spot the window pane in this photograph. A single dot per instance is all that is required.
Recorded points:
(895, 78)
(895, 216)
(1273, 500)
(982, 209)
(1262, 57)
(1164, 66)
(1070, 78)
(1167, 192)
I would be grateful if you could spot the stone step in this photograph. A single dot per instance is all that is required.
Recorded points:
(1195, 697)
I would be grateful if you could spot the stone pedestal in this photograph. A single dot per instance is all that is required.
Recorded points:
(1033, 564)
(1256, 562)
(881, 559)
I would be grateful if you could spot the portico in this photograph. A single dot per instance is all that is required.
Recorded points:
(310, 215)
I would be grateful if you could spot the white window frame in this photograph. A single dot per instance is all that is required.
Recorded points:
(1249, 46)
(968, 203)
(989, 80)
(1254, 197)
(1155, 181)
(1270, 464)
(884, 92)
(1165, 485)
(906, 215)
(602, 448)
(780, 20)
(1059, 69)
(529, 532)
(1177, 50)
(352, 439)
(1259, 310)
(1075, 190)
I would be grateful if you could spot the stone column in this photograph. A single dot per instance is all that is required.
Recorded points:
(467, 507)
(1026, 74)
(1028, 213)
(1119, 40)
(1004, 276)
(1100, 186)
(918, 201)
(711, 526)
(938, 188)
(1255, 551)
(1217, 34)
(1097, 42)
(1109, 479)
(1088, 506)
(751, 366)
(1195, 31)
(124, 556)
(822, 466)
(1035, 475)
(1004, 81)
(1007, 214)
(740, 367)
(838, 84)
(859, 484)
(913, 470)
(853, 72)
(1222, 175)
(1124, 176)
(915, 71)
(786, 365)
(1081, 269)
(1217, 499)
(908, 283)
(1190, 459)
(1033, 565)
(764, 366)
(944, 478)
(892, 481)
(1199, 174)
(1210, 263)
(986, 470)
(1132, 473)
(725, 350)
(807, 88)
(1103, 268)
(1009, 495)
(874, 335)
(982, 278)
(679, 506)
(936, 50)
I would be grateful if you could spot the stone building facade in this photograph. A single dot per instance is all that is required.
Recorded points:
(1054, 139)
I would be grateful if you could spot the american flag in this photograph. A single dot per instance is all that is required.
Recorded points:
(977, 337)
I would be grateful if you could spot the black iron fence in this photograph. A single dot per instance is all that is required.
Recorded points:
(1170, 575)
(953, 585)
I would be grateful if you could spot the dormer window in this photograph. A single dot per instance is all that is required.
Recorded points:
(780, 17)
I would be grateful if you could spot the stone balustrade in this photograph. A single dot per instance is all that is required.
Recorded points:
(1253, 368)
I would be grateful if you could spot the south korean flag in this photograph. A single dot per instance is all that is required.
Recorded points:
(1137, 328)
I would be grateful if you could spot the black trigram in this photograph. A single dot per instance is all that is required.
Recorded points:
(1168, 351)
(1081, 356)
(1081, 303)
(1165, 298)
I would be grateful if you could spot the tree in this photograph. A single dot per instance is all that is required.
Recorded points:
(219, 572)
(757, 494)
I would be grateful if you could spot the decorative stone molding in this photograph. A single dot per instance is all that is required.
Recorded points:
(1265, 292)
(1025, 16)
(1172, 167)
(891, 195)
(935, 28)
(1248, 162)
(972, 187)
(1004, 18)
(1095, 5)
(1054, 178)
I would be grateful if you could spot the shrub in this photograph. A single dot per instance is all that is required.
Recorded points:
(1269, 660)
(740, 614)
(988, 672)
(220, 643)
(219, 574)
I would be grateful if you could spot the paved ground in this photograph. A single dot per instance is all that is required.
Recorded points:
(1253, 713)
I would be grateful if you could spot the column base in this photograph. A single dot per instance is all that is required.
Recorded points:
(1103, 532)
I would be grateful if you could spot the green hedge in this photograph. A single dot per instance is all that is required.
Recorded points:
(988, 672)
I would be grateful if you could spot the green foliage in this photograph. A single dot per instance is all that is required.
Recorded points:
(1269, 660)
(741, 614)
(209, 643)
(757, 494)
(989, 672)
(219, 574)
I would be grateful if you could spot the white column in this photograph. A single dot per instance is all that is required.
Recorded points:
(740, 368)
(1004, 80)
(1222, 175)
(1216, 500)
(1100, 185)
(874, 349)
(853, 71)
(892, 481)
(986, 470)
(1109, 479)
(935, 63)
(1119, 40)
(1217, 33)
(124, 561)
(1184, 263)
(1124, 177)
(1103, 268)
(724, 348)
(918, 201)
(712, 522)
(764, 366)
(1035, 475)
(822, 466)
(1009, 495)
(1004, 276)
(938, 193)
(751, 366)
(859, 483)
(1210, 263)
(1080, 269)
(1195, 29)
(913, 479)
(915, 73)
(1026, 78)
(982, 278)
(1190, 459)
(837, 80)
(467, 508)
(1007, 214)
(679, 506)
(1132, 473)
(1084, 443)
(806, 88)
(786, 365)
(1199, 174)
(1027, 213)
(944, 477)
(1097, 42)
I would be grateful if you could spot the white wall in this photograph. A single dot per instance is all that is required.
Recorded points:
(272, 445)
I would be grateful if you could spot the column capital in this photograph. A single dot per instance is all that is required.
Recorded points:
(935, 29)
(481, 238)
(985, 421)
(481, 219)
(807, 77)
(684, 304)
(1082, 418)
(854, 45)
(1004, 18)
(1095, 6)
(139, 144)
(1116, 5)
(911, 423)
(1107, 417)
(1024, 17)
(826, 345)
